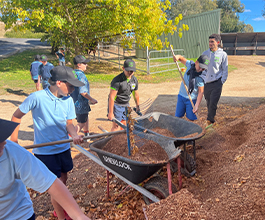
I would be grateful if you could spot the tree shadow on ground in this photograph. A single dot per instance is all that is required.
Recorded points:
(261, 64)
(16, 103)
(26, 135)
(17, 92)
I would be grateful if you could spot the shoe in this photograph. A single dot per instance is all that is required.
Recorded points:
(208, 124)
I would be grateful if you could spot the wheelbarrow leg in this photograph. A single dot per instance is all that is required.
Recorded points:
(179, 172)
(169, 179)
(107, 184)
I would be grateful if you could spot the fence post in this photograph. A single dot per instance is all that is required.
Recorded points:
(147, 61)
(98, 53)
(119, 57)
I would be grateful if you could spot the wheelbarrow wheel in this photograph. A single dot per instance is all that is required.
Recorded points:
(190, 163)
(159, 187)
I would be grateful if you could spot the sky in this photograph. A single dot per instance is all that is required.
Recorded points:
(253, 14)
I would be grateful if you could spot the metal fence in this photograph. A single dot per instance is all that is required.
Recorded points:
(152, 61)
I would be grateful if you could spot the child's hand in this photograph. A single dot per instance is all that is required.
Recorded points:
(93, 101)
(78, 139)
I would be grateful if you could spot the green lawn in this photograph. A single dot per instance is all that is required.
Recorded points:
(15, 74)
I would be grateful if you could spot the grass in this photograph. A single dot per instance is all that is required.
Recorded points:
(15, 75)
(23, 34)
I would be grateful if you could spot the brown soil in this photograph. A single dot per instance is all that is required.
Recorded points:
(149, 152)
(229, 183)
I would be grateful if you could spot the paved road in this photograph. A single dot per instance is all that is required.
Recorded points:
(10, 46)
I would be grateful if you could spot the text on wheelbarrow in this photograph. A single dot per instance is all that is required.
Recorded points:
(117, 163)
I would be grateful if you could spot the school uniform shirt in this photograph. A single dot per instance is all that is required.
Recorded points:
(50, 115)
(218, 66)
(34, 67)
(44, 72)
(198, 83)
(124, 88)
(61, 56)
(18, 169)
(81, 103)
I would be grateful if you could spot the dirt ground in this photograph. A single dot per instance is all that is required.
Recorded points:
(229, 183)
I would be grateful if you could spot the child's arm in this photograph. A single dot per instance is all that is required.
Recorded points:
(180, 58)
(136, 99)
(61, 194)
(91, 100)
(199, 99)
(77, 139)
(16, 118)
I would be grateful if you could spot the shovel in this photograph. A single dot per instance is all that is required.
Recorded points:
(71, 140)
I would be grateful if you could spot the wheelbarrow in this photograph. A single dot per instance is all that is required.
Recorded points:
(183, 130)
(136, 172)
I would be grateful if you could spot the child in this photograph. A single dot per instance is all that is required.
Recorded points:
(81, 95)
(52, 112)
(18, 169)
(34, 71)
(61, 56)
(195, 84)
(44, 72)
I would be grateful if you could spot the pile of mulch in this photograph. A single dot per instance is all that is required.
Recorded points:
(181, 205)
(149, 152)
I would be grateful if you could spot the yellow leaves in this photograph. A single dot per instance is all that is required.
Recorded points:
(176, 21)
(180, 35)
(239, 158)
(180, 16)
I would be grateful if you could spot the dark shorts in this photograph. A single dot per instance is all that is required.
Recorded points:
(32, 217)
(57, 163)
(82, 118)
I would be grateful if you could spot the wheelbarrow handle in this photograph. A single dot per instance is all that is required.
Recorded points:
(71, 140)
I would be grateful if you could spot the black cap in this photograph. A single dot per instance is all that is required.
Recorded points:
(203, 61)
(37, 57)
(6, 128)
(65, 74)
(80, 59)
(129, 65)
(43, 57)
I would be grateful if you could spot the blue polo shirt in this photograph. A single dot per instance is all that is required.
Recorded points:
(34, 67)
(50, 115)
(44, 72)
(81, 103)
(18, 169)
(198, 83)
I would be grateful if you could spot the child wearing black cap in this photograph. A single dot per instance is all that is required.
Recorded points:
(19, 168)
(195, 86)
(52, 112)
(121, 88)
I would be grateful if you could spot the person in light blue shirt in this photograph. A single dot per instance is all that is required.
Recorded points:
(194, 86)
(52, 112)
(60, 54)
(44, 72)
(20, 169)
(81, 95)
(34, 68)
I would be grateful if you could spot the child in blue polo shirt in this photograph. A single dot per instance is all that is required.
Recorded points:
(34, 67)
(81, 95)
(53, 111)
(44, 72)
(19, 168)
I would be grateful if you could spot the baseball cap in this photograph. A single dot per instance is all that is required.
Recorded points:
(80, 59)
(6, 128)
(43, 57)
(65, 74)
(203, 61)
(129, 65)
(37, 57)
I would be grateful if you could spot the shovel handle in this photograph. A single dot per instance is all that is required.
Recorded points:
(71, 140)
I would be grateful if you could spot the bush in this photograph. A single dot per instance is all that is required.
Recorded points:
(23, 34)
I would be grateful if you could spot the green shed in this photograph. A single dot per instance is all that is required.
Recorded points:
(195, 40)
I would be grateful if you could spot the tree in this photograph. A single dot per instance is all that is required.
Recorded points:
(77, 23)
(248, 28)
(229, 16)
(190, 7)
